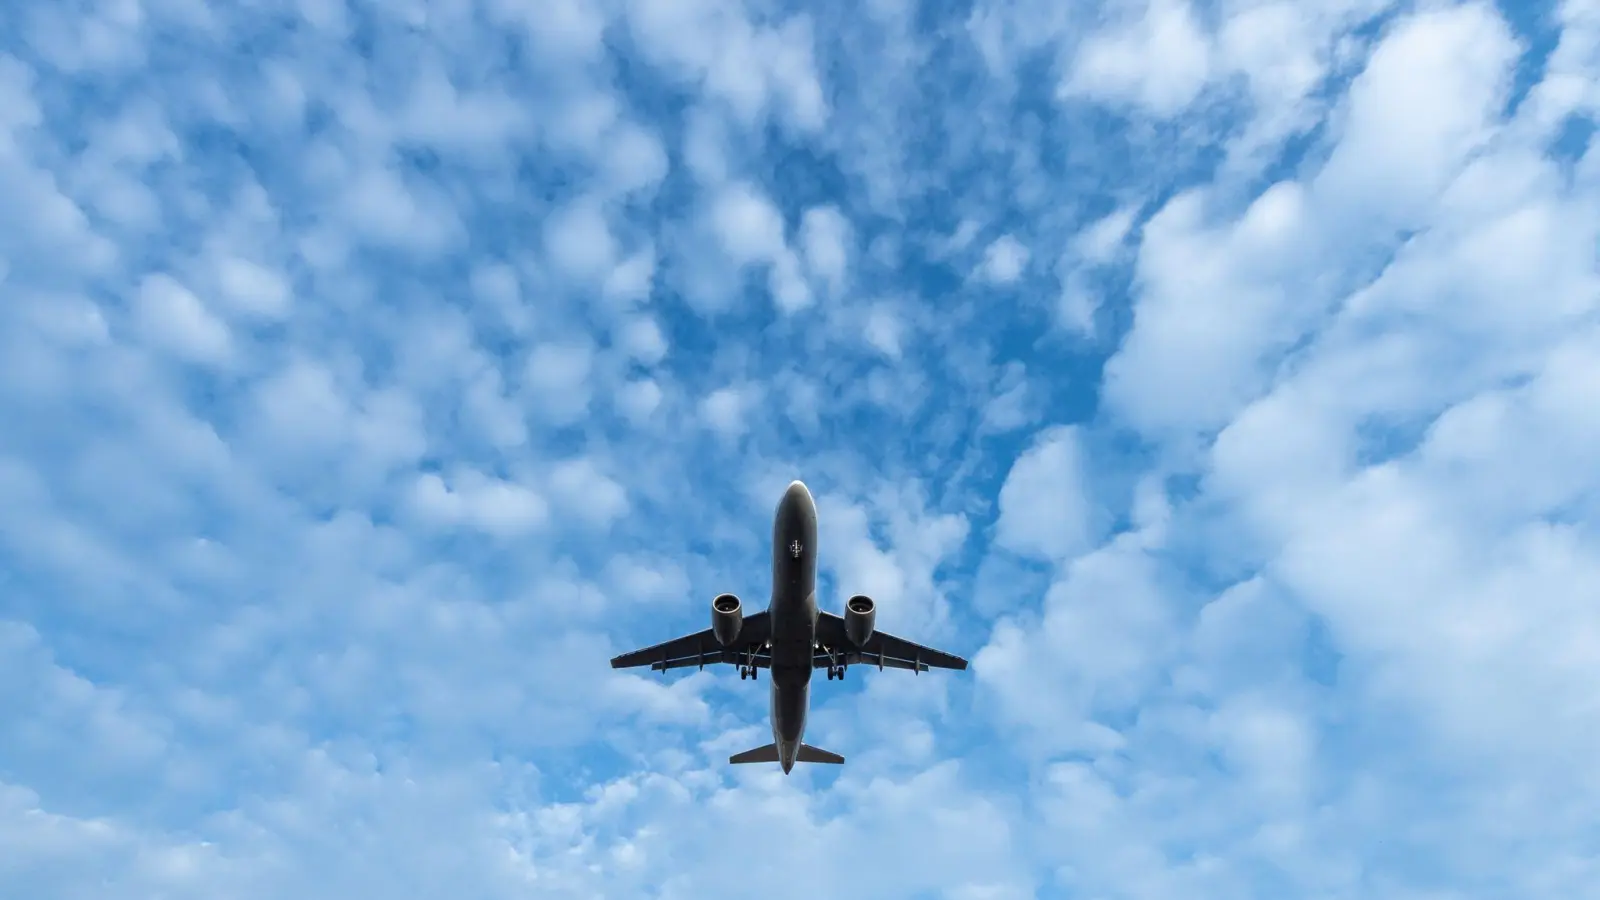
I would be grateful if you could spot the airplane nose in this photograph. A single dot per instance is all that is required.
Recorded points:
(797, 501)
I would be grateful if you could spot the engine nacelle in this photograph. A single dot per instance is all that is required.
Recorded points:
(727, 618)
(860, 616)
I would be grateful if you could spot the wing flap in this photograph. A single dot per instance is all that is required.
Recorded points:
(856, 657)
(721, 655)
(702, 648)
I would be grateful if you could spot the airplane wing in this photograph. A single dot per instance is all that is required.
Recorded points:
(883, 650)
(701, 649)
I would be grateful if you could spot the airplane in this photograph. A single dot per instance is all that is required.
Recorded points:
(792, 638)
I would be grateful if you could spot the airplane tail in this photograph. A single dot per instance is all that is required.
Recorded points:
(769, 754)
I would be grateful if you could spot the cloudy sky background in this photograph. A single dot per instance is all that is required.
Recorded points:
(1222, 378)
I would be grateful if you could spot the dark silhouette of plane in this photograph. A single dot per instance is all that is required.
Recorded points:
(791, 637)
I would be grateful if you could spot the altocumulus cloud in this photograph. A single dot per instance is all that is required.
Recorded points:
(1222, 379)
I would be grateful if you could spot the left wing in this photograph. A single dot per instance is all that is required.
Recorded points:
(701, 649)
(883, 650)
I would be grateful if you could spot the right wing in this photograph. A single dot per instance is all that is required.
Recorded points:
(882, 649)
(701, 649)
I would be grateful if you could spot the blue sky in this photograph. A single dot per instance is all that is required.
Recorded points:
(1221, 378)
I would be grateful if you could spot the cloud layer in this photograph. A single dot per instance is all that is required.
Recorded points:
(1223, 381)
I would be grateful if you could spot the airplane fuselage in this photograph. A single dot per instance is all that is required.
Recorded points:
(793, 615)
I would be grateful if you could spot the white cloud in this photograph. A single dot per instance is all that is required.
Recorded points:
(756, 70)
(803, 400)
(495, 414)
(1427, 100)
(584, 118)
(386, 211)
(751, 232)
(631, 280)
(748, 225)
(21, 110)
(557, 378)
(706, 146)
(1160, 62)
(587, 494)
(1283, 51)
(253, 288)
(172, 318)
(639, 399)
(1100, 242)
(579, 241)
(1004, 260)
(492, 505)
(884, 331)
(1014, 404)
(642, 581)
(474, 123)
(560, 28)
(825, 236)
(1077, 305)
(636, 160)
(304, 418)
(641, 338)
(498, 287)
(1096, 247)
(789, 290)
(63, 854)
(727, 410)
(1044, 510)
(1446, 550)
(1106, 629)
(1220, 302)
(301, 405)
(1272, 746)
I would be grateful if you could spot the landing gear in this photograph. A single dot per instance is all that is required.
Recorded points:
(747, 672)
(835, 663)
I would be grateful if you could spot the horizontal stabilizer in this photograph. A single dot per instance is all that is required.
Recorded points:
(769, 754)
(812, 754)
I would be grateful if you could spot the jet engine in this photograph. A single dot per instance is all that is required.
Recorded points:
(726, 618)
(860, 615)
